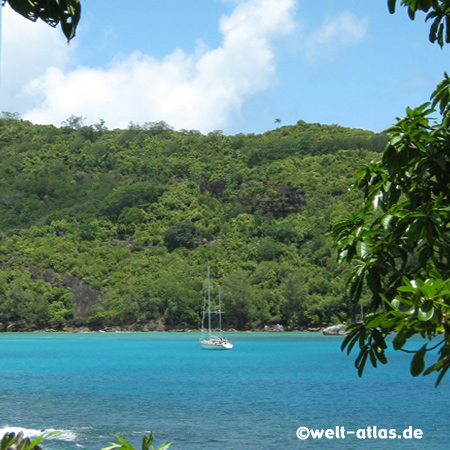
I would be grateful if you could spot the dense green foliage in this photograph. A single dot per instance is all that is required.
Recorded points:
(399, 240)
(110, 228)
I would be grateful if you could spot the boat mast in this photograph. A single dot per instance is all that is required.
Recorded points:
(209, 305)
(203, 311)
(220, 316)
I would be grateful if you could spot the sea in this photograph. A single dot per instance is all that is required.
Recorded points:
(271, 391)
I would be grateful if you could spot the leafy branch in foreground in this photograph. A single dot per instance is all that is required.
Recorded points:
(11, 441)
(53, 12)
(437, 10)
(399, 241)
(147, 442)
(19, 442)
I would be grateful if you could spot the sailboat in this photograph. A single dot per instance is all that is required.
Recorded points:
(212, 342)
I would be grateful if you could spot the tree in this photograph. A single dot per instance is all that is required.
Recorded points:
(10, 116)
(53, 12)
(182, 234)
(399, 240)
(74, 122)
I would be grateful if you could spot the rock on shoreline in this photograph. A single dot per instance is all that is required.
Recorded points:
(335, 330)
(277, 328)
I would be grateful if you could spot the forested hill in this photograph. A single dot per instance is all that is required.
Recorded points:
(116, 228)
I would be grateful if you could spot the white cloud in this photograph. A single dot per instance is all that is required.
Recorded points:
(201, 91)
(334, 34)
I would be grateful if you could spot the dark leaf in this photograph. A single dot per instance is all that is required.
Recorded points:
(441, 375)
(391, 5)
(373, 358)
(418, 362)
(399, 341)
(362, 362)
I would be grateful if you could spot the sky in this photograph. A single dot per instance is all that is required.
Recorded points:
(230, 65)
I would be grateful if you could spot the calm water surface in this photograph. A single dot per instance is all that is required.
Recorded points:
(92, 386)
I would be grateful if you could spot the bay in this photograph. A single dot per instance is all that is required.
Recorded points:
(94, 385)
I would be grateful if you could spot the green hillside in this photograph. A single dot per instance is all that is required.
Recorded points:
(115, 228)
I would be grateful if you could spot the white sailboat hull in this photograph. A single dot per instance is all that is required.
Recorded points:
(216, 344)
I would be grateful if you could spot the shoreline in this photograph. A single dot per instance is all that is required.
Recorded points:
(159, 327)
(82, 330)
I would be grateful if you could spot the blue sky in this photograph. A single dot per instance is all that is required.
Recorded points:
(231, 65)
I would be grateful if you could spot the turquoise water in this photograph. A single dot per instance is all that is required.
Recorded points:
(92, 386)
